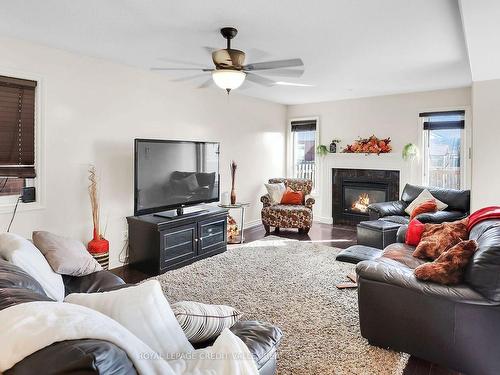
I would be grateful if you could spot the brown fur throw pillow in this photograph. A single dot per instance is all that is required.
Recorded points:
(449, 267)
(438, 238)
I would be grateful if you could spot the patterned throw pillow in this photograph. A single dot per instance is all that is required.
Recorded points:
(275, 192)
(201, 322)
(427, 206)
(437, 238)
(449, 267)
(425, 195)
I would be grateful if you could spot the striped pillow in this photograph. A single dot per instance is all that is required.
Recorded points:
(201, 322)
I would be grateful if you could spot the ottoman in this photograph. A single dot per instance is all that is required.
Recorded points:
(357, 253)
(377, 233)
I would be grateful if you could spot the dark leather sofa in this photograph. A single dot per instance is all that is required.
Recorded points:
(457, 327)
(458, 202)
(91, 356)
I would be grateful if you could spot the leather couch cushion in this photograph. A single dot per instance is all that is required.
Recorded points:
(12, 276)
(76, 357)
(397, 219)
(457, 200)
(15, 296)
(483, 271)
(402, 254)
(262, 339)
(440, 216)
(100, 281)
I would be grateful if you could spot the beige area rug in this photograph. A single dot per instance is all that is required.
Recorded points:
(292, 285)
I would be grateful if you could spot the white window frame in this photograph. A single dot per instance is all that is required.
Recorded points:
(290, 156)
(8, 202)
(465, 152)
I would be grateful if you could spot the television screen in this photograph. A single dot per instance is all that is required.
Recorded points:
(169, 174)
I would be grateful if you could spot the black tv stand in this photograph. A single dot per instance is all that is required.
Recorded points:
(158, 244)
(181, 212)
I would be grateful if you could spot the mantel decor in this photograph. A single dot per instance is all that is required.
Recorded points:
(371, 145)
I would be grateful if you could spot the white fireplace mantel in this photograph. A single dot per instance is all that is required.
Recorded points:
(389, 161)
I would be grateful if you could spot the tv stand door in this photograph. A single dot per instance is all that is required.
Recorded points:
(178, 244)
(212, 235)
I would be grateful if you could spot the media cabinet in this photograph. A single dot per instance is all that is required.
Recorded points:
(159, 244)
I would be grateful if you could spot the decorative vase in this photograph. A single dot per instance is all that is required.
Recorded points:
(98, 244)
(333, 147)
(233, 176)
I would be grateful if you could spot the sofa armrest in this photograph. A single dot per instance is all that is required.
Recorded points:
(100, 281)
(378, 210)
(402, 276)
(401, 234)
(309, 201)
(266, 200)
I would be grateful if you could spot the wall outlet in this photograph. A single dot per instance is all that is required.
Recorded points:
(125, 235)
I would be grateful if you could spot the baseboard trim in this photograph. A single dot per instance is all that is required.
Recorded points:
(252, 224)
(324, 220)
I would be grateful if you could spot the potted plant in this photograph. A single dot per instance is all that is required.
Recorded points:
(333, 145)
(410, 152)
(322, 150)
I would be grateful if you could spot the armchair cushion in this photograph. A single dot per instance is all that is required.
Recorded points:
(395, 208)
(287, 216)
(292, 197)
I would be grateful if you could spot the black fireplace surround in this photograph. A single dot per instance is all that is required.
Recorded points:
(354, 189)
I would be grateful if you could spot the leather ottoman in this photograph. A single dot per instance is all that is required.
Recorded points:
(357, 253)
(377, 233)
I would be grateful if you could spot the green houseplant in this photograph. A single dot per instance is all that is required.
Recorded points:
(322, 150)
(410, 152)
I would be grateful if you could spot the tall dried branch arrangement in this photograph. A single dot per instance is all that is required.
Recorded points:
(94, 199)
(233, 172)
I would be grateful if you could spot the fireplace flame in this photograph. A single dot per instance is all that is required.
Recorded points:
(362, 203)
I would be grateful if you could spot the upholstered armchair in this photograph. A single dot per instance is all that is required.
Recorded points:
(289, 216)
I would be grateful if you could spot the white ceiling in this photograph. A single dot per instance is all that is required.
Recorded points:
(481, 20)
(350, 48)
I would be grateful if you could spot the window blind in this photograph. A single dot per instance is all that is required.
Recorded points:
(303, 125)
(444, 120)
(17, 127)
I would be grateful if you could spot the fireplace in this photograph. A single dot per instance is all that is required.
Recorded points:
(354, 189)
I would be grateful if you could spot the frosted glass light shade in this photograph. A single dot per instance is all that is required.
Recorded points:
(228, 79)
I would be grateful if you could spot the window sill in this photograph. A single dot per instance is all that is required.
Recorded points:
(8, 208)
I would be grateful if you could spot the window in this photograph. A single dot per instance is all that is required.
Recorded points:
(17, 134)
(304, 149)
(443, 149)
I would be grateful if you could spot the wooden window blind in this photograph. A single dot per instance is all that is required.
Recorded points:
(17, 127)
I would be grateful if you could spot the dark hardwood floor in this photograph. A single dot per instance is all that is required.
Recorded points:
(329, 235)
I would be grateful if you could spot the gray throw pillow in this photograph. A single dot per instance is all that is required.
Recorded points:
(201, 322)
(65, 255)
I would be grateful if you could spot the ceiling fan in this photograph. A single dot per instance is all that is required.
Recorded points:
(230, 70)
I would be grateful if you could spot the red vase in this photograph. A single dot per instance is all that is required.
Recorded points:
(98, 245)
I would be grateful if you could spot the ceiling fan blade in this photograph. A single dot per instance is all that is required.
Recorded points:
(206, 84)
(180, 69)
(293, 84)
(188, 78)
(260, 80)
(274, 64)
(180, 62)
(283, 72)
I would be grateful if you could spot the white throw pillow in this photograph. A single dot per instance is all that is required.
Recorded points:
(201, 322)
(22, 253)
(276, 192)
(145, 311)
(424, 196)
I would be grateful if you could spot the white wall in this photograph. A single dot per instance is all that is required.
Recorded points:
(394, 116)
(92, 110)
(486, 150)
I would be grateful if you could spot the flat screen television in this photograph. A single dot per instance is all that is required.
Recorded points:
(172, 174)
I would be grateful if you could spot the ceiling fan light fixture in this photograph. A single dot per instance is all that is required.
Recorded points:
(228, 79)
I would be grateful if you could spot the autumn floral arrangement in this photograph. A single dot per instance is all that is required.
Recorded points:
(371, 145)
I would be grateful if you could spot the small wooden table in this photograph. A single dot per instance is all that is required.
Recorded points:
(241, 206)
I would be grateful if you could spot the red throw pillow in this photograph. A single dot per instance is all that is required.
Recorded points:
(292, 197)
(414, 232)
(449, 267)
(427, 206)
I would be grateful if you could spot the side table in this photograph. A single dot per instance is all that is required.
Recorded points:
(241, 206)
